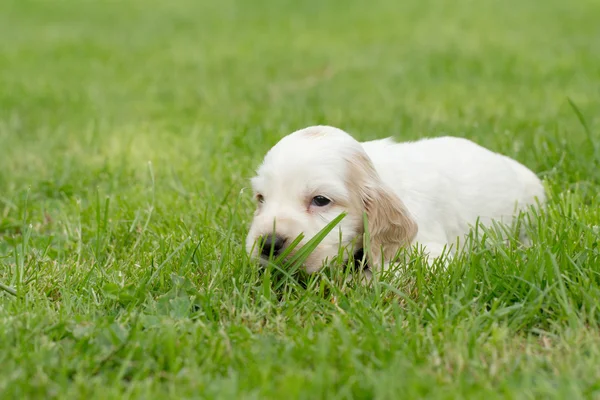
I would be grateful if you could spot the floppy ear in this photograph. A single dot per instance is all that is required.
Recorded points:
(390, 225)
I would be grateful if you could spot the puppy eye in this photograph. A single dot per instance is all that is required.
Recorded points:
(260, 198)
(320, 201)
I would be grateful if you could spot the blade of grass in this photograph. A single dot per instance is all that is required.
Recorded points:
(586, 127)
(302, 254)
(8, 289)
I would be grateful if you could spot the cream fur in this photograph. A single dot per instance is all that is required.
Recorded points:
(428, 193)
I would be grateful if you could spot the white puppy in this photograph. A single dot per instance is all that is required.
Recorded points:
(429, 192)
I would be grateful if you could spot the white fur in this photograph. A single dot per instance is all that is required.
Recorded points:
(437, 188)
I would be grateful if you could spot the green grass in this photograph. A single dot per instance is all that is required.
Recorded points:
(128, 132)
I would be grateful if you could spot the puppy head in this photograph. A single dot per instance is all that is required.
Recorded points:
(310, 177)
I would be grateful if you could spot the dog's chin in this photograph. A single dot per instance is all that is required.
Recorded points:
(311, 269)
(357, 263)
(309, 266)
(262, 260)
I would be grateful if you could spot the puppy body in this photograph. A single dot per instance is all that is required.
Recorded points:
(428, 193)
(449, 183)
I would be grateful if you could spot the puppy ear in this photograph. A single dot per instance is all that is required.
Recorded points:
(390, 225)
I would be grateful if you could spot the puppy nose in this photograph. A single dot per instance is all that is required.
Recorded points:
(274, 242)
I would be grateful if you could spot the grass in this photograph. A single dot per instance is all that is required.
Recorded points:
(128, 132)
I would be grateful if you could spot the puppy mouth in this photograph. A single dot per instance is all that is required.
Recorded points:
(358, 262)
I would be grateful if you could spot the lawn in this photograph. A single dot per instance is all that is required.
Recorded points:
(128, 134)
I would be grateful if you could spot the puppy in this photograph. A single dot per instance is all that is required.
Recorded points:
(427, 193)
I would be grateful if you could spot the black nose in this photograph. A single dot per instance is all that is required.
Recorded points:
(274, 242)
